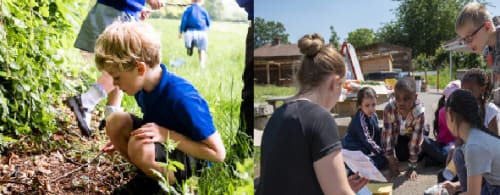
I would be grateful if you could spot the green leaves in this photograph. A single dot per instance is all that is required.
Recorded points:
(266, 31)
(34, 35)
(361, 37)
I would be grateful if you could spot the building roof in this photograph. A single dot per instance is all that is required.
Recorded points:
(278, 50)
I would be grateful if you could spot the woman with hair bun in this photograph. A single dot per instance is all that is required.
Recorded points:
(301, 147)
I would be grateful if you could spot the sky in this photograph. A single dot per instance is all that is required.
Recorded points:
(302, 17)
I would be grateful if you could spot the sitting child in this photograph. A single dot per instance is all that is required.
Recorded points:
(363, 133)
(403, 128)
(480, 152)
(437, 151)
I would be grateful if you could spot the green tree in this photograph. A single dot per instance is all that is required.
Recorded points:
(361, 37)
(423, 25)
(334, 38)
(266, 31)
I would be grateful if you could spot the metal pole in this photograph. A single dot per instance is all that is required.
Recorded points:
(450, 67)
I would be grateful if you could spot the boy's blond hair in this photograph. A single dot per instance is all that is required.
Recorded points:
(474, 13)
(123, 44)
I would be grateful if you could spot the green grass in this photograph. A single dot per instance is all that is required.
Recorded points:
(444, 78)
(262, 92)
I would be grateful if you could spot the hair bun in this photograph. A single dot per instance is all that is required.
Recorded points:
(311, 44)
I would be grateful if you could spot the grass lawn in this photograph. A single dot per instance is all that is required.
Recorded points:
(262, 92)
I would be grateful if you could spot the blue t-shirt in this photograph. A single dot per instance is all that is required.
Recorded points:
(175, 104)
(195, 18)
(129, 6)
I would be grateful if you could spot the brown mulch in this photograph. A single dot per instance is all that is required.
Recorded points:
(66, 164)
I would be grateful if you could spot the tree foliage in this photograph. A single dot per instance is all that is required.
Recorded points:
(423, 25)
(266, 31)
(334, 38)
(36, 62)
(361, 37)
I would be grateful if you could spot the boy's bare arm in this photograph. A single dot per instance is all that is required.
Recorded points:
(211, 149)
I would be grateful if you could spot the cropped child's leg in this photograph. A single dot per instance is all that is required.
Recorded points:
(143, 156)
(118, 128)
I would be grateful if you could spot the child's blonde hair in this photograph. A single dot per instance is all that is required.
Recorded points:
(123, 44)
(472, 12)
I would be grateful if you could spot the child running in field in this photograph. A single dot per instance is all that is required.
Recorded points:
(480, 149)
(403, 128)
(194, 24)
(363, 133)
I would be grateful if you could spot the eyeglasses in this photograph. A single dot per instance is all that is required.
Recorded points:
(468, 38)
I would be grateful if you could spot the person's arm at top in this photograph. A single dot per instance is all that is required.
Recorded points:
(155, 4)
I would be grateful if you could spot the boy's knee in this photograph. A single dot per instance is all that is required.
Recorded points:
(117, 123)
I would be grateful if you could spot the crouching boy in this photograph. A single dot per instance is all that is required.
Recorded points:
(172, 108)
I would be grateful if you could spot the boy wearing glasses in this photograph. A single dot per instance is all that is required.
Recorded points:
(477, 30)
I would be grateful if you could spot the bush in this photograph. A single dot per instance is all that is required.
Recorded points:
(35, 63)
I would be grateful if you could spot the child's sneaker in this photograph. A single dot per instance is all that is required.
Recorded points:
(82, 114)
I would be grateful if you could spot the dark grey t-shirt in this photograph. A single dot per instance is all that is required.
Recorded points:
(298, 134)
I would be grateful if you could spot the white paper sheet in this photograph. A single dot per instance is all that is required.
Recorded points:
(359, 162)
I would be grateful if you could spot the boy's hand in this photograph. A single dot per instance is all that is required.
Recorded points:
(109, 148)
(149, 133)
(412, 174)
(180, 35)
(145, 13)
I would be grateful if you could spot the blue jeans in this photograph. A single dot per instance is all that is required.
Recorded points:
(434, 150)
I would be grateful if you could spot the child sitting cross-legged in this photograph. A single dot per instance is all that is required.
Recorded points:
(363, 133)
